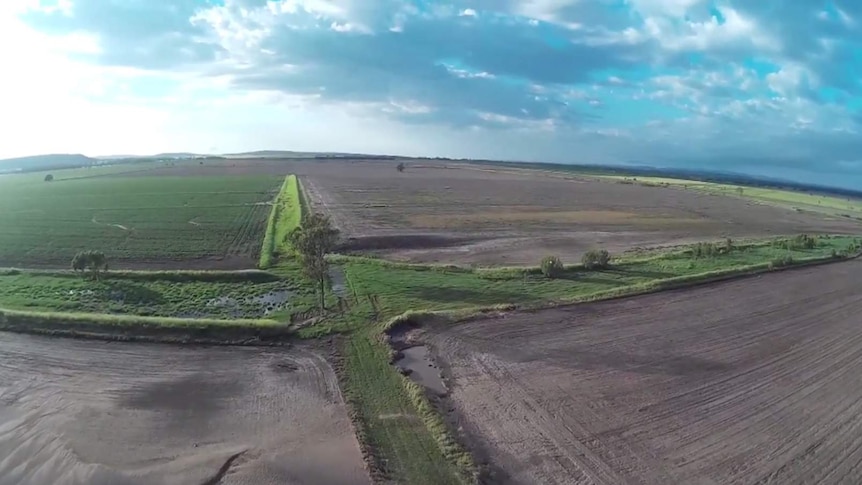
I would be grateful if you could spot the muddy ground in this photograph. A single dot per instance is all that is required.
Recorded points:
(76, 412)
(751, 381)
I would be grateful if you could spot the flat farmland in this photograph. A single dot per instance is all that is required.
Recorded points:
(666, 388)
(461, 213)
(91, 413)
(138, 221)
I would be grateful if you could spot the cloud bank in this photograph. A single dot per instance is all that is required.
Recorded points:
(771, 87)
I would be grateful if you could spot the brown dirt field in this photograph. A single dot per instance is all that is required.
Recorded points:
(461, 213)
(664, 388)
(91, 413)
(449, 212)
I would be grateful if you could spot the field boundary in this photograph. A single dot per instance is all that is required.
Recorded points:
(647, 255)
(267, 251)
(286, 214)
(417, 317)
(250, 275)
(146, 329)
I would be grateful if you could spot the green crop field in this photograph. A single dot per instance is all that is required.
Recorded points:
(132, 219)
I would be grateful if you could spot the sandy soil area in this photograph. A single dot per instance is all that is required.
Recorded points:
(460, 213)
(91, 413)
(753, 381)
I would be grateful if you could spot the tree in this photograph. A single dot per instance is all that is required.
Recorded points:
(596, 259)
(551, 267)
(401, 167)
(313, 240)
(49, 178)
(94, 261)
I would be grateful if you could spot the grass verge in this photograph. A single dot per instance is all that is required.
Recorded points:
(285, 215)
(151, 329)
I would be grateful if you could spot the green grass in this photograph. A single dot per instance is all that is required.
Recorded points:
(123, 327)
(406, 450)
(138, 218)
(396, 288)
(833, 205)
(289, 214)
(285, 216)
(192, 295)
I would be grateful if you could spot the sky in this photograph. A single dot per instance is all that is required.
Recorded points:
(770, 87)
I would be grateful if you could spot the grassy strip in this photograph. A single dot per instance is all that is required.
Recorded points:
(401, 445)
(163, 329)
(289, 215)
(267, 251)
(177, 276)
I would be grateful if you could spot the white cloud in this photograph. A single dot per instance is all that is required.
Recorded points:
(468, 12)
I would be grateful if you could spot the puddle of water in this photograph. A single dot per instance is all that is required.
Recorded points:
(222, 301)
(272, 301)
(338, 280)
(422, 369)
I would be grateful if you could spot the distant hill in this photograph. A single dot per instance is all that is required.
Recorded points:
(45, 162)
(292, 154)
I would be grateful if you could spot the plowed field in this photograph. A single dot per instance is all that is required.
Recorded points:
(753, 381)
(90, 413)
(462, 213)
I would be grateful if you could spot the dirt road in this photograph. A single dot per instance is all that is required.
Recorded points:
(91, 413)
(754, 381)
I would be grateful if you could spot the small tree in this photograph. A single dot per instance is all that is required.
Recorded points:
(49, 178)
(94, 261)
(596, 259)
(551, 267)
(401, 167)
(312, 241)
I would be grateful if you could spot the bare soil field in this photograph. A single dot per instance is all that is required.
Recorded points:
(461, 213)
(451, 212)
(91, 413)
(665, 388)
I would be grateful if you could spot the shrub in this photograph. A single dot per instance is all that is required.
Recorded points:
(796, 243)
(704, 250)
(596, 259)
(552, 267)
(781, 262)
(49, 178)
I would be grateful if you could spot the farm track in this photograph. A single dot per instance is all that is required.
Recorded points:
(753, 381)
(77, 412)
